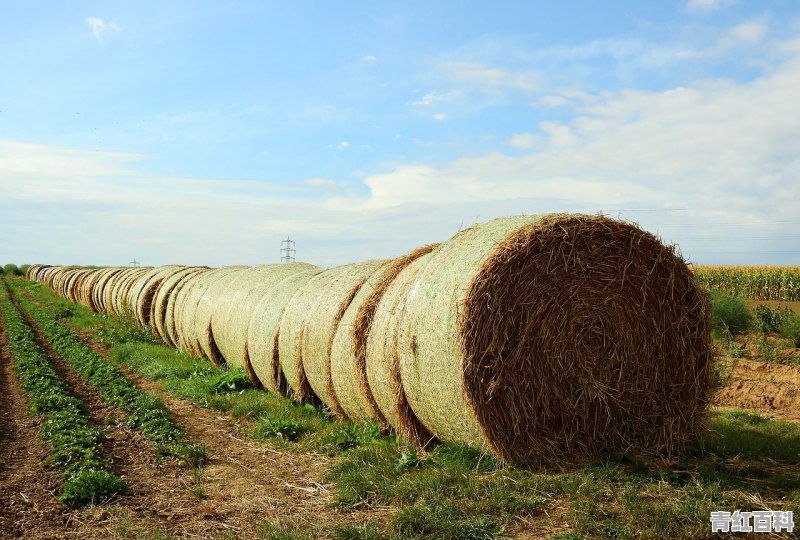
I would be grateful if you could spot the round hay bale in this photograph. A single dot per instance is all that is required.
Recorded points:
(145, 288)
(348, 354)
(321, 321)
(298, 312)
(175, 305)
(121, 302)
(232, 313)
(555, 338)
(99, 291)
(161, 296)
(207, 302)
(381, 362)
(263, 332)
(186, 310)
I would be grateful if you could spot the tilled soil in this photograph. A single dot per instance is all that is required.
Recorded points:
(244, 485)
(768, 387)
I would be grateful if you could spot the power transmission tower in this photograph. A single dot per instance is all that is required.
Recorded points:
(134, 262)
(288, 250)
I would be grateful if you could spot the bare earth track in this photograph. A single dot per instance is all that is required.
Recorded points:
(246, 482)
(770, 388)
(26, 488)
(243, 485)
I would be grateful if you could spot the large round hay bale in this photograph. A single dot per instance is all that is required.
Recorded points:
(161, 296)
(99, 289)
(381, 362)
(320, 323)
(186, 310)
(174, 306)
(232, 313)
(348, 352)
(143, 289)
(333, 286)
(121, 302)
(207, 302)
(263, 332)
(557, 337)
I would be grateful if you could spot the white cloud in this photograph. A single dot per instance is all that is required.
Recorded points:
(749, 32)
(101, 29)
(524, 141)
(370, 58)
(707, 5)
(491, 78)
(431, 98)
(324, 183)
(439, 116)
(342, 145)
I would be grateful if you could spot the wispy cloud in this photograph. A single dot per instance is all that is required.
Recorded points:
(322, 183)
(707, 5)
(101, 29)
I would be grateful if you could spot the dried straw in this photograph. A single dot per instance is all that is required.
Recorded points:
(320, 323)
(263, 331)
(158, 313)
(234, 310)
(175, 303)
(555, 338)
(141, 294)
(348, 353)
(381, 357)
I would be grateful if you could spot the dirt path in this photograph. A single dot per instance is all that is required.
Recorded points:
(769, 387)
(160, 499)
(26, 488)
(247, 482)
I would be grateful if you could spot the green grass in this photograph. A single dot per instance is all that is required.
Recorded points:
(145, 413)
(457, 492)
(75, 446)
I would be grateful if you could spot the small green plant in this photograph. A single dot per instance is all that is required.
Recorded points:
(350, 435)
(92, 487)
(767, 350)
(230, 381)
(791, 329)
(280, 428)
(771, 320)
(730, 315)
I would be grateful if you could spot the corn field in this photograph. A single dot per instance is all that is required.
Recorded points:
(755, 282)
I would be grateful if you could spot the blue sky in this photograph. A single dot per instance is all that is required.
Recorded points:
(204, 133)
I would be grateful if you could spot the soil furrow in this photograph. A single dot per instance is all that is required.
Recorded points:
(160, 499)
(27, 490)
(246, 483)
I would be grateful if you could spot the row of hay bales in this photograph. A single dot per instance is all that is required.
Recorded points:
(538, 338)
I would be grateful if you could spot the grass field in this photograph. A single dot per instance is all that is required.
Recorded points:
(365, 484)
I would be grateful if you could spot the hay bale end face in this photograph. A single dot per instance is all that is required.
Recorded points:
(553, 338)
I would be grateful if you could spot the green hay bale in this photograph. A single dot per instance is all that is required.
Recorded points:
(381, 362)
(348, 353)
(161, 296)
(263, 330)
(232, 314)
(557, 338)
